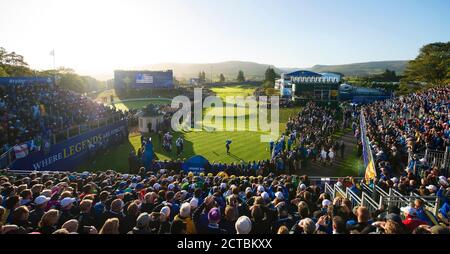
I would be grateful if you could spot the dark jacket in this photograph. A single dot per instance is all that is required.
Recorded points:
(362, 227)
(260, 227)
(215, 230)
(47, 230)
(130, 222)
(139, 231)
(164, 227)
(85, 219)
(286, 221)
(35, 216)
(228, 226)
(65, 216)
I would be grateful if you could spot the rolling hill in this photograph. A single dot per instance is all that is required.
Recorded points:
(363, 69)
(356, 69)
(252, 71)
(255, 71)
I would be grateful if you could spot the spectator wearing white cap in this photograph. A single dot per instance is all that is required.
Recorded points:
(260, 189)
(279, 197)
(443, 181)
(412, 221)
(432, 189)
(243, 225)
(193, 203)
(185, 216)
(326, 203)
(66, 210)
(164, 220)
(265, 196)
(40, 203)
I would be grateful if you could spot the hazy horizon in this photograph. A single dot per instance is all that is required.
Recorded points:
(96, 37)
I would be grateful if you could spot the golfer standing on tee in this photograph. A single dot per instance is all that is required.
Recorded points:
(227, 145)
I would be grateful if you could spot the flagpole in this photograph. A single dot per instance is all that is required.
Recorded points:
(54, 68)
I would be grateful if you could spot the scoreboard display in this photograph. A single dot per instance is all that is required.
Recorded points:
(143, 79)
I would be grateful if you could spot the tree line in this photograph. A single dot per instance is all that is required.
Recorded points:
(14, 65)
(202, 77)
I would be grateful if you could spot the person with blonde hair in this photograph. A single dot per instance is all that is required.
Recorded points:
(283, 230)
(110, 227)
(47, 224)
(20, 217)
(2, 212)
(71, 226)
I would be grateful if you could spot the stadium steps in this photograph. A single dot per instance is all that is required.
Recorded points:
(318, 168)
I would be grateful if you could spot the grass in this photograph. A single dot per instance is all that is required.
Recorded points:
(245, 145)
(127, 105)
(352, 165)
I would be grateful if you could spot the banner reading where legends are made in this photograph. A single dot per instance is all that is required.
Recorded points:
(71, 153)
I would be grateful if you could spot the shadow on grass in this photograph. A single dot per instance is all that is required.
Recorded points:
(116, 158)
(238, 159)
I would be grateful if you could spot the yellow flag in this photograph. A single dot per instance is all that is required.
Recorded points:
(370, 171)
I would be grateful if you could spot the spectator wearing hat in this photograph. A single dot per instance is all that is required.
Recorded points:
(412, 221)
(243, 225)
(71, 226)
(185, 216)
(164, 220)
(214, 218)
(142, 225)
(48, 222)
(39, 209)
(66, 207)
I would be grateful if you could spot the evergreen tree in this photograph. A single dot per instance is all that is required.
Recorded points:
(240, 76)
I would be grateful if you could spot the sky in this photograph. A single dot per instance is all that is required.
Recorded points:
(95, 37)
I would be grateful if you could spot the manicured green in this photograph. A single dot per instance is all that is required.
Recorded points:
(126, 105)
(246, 145)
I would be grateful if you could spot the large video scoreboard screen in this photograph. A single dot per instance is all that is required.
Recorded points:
(143, 79)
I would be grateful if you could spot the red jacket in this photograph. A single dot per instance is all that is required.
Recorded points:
(412, 223)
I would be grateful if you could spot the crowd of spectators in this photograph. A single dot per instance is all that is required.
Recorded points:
(401, 129)
(172, 202)
(31, 115)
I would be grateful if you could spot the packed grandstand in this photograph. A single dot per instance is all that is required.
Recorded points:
(409, 195)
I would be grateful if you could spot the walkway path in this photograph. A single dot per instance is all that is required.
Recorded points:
(340, 165)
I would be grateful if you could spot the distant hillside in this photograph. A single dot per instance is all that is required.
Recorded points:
(362, 69)
(252, 71)
(255, 71)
